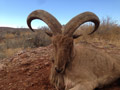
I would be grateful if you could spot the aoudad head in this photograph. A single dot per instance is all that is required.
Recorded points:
(63, 36)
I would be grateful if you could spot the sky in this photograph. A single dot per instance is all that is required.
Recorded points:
(13, 13)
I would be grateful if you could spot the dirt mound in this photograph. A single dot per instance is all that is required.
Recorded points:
(30, 70)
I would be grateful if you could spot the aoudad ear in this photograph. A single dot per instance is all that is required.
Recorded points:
(49, 33)
(75, 36)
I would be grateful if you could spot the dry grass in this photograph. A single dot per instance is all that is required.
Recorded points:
(9, 52)
(13, 39)
(12, 42)
(108, 33)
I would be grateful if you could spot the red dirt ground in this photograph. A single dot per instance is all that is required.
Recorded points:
(30, 70)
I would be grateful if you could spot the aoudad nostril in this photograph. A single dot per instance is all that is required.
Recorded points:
(58, 70)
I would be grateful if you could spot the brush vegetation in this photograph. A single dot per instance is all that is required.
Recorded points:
(13, 40)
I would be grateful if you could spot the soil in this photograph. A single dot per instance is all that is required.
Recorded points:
(30, 70)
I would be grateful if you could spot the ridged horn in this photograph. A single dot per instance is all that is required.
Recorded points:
(50, 20)
(75, 22)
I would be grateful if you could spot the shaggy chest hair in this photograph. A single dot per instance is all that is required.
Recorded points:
(62, 54)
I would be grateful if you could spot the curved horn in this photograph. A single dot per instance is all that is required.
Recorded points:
(51, 21)
(75, 22)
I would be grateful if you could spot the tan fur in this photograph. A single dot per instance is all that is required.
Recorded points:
(76, 67)
(85, 68)
(57, 80)
(60, 58)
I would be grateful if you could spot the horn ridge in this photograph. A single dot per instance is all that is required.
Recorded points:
(50, 20)
(78, 20)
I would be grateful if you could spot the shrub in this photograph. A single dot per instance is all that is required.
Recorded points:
(21, 38)
(39, 38)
